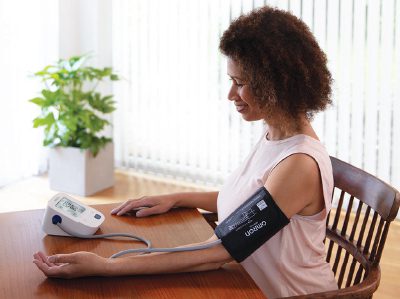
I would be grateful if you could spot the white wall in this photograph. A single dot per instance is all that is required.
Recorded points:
(85, 27)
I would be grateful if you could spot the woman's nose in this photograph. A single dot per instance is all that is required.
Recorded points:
(232, 94)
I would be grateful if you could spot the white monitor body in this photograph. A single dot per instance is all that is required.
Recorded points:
(75, 216)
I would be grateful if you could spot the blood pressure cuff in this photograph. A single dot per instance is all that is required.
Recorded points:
(251, 225)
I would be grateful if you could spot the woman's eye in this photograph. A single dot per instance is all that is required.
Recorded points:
(239, 85)
(236, 83)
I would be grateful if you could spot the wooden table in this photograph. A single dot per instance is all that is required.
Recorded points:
(21, 235)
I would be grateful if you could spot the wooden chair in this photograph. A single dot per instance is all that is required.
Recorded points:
(356, 230)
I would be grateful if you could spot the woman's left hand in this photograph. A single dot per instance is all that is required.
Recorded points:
(72, 265)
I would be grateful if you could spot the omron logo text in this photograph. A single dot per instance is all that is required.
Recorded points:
(255, 228)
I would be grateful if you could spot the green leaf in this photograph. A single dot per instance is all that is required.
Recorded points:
(70, 122)
(48, 120)
(107, 71)
(114, 77)
(77, 62)
(48, 95)
(44, 71)
(38, 101)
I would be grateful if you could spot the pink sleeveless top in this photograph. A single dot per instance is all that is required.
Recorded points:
(292, 262)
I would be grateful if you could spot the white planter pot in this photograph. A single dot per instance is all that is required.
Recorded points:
(76, 171)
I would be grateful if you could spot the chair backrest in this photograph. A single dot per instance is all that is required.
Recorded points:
(358, 227)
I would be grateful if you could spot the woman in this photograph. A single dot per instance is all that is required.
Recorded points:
(279, 75)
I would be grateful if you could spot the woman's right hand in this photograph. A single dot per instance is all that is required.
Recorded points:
(145, 206)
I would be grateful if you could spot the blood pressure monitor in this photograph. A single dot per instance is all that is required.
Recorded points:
(252, 224)
(75, 216)
(66, 216)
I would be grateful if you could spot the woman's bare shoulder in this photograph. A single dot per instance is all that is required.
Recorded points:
(295, 184)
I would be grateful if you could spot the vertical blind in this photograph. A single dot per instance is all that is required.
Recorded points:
(173, 118)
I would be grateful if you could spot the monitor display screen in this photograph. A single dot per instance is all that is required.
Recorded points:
(70, 207)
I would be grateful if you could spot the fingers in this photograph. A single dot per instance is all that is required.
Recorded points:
(54, 260)
(133, 205)
(152, 209)
(41, 257)
(127, 206)
(145, 206)
(117, 209)
(48, 268)
(149, 211)
(62, 258)
(72, 265)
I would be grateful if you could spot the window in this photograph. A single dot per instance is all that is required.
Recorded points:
(173, 117)
(29, 41)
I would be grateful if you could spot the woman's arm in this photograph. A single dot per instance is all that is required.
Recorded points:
(80, 264)
(159, 204)
(173, 262)
(201, 200)
(296, 187)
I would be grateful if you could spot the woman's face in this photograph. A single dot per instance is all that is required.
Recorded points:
(241, 94)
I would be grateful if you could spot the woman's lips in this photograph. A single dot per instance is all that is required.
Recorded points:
(240, 107)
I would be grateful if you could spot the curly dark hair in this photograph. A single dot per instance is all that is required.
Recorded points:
(281, 60)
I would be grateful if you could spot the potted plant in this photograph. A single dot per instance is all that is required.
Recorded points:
(81, 160)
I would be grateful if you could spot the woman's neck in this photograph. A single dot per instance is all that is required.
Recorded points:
(279, 132)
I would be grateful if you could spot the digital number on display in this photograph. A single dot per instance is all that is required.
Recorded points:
(70, 207)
